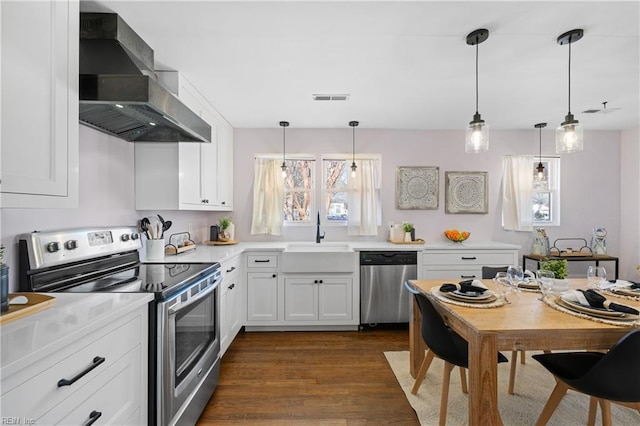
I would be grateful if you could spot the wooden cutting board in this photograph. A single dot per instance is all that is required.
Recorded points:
(221, 243)
(35, 303)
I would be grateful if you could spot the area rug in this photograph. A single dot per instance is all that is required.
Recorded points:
(533, 385)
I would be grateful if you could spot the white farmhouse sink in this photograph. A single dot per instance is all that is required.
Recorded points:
(321, 247)
(318, 258)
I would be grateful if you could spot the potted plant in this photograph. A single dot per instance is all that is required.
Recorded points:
(408, 231)
(559, 269)
(4, 282)
(225, 228)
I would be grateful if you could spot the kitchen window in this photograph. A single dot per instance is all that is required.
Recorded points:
(299, 191)
(525, 204)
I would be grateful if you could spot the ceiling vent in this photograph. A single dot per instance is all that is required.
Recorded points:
(322, 97)
(603, 110)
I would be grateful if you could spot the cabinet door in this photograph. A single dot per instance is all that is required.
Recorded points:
(301, 299)
(262, 296)
(225, 166)
(234, 307)
(39, 103)
(335, 299)
(223, 309)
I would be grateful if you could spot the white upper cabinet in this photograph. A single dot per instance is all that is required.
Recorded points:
(40, 103)
(186, 175)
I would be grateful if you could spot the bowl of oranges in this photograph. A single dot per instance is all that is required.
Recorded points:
(456, 236)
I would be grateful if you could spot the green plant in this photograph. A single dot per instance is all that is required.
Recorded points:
(224, 222)
(408, 227)
(558, 267)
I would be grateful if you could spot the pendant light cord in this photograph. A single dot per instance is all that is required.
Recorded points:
(283, 144)
(477, 44)
(353, 155)
(540, 148)
(569, 101)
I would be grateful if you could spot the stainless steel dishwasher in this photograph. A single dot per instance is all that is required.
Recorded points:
(382, 274)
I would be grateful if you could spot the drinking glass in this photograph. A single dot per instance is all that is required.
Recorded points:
(502, 285)
(596, 276)
(545, 281)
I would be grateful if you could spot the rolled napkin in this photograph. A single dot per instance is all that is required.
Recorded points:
(595, 300)
(633, 285)
(467, 286)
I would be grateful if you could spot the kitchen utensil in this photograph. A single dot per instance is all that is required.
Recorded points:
(144, 226)
(165, 226)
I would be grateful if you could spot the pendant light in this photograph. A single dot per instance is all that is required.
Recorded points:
(353, 125)
(284, 125)
(477, 134)
(569, 134)
(539, 179)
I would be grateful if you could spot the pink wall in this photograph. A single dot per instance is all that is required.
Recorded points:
(590, 179)
(591, 185)
(630, 203)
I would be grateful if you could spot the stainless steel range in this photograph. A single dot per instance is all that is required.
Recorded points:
(184, 362)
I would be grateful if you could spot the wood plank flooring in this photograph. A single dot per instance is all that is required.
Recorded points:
(310, 378)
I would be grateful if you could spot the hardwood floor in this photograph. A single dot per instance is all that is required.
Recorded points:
(310, 378)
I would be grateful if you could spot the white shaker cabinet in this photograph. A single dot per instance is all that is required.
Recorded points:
(318, 298)
(231, 312)
(186, 175)
(40, 56)
(84, 358)
(465, 261)
(262, 288)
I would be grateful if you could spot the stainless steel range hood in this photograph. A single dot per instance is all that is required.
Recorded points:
(119, 94)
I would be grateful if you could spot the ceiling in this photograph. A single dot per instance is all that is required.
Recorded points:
(405, 65)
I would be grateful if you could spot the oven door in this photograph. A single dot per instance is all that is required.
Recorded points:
(188, 351)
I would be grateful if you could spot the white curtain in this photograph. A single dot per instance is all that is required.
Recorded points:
(365, 215)
(268, 197)
(517, 193)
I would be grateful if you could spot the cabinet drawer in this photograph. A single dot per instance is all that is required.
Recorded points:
(454, 275)
(40, 392)
(230, 266)
(464, 258)
(262, 261)
(115, 394)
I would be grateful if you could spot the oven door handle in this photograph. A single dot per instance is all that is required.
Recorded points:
(177, 308)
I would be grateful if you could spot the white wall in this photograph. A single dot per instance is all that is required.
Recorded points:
(591, 186)
(630, 203)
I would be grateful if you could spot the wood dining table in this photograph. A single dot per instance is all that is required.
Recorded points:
(525, 324)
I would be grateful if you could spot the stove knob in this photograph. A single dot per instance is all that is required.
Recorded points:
(125, 237)
(53, 247)
(71, 245)
(135, 236)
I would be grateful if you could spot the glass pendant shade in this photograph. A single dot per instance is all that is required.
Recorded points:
(477, 136)
(539, 178)
(569, 136)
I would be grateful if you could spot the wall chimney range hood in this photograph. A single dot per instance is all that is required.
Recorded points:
(119, 93)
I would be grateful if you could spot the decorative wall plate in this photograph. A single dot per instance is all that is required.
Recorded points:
(417, 188)
(466, 192)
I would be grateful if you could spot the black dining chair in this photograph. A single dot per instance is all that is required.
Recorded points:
(444, 343)
(489, 272)
(606, 377)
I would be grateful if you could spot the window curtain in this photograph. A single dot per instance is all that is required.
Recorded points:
(365, 214)
(268, 197)
(517, 193)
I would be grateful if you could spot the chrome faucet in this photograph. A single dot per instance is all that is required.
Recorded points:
(318, 236)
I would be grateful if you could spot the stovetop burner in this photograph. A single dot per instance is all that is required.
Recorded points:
(99, 260)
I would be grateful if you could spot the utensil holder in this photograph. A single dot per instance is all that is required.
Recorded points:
(155, 249)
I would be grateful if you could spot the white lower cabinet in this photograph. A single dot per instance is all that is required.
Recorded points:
(230, 303)
(466, 262)
(262, 296)
(318, 298)
(101, 374)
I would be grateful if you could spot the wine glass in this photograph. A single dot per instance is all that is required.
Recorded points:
(596, 276)
(545, 282)
(515, 275)
(502, 285)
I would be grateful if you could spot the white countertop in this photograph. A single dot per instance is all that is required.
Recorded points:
(220, 253)
(26, 340)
